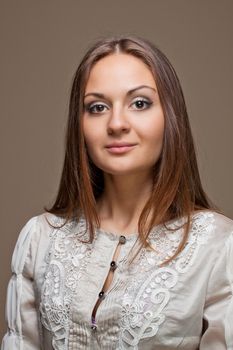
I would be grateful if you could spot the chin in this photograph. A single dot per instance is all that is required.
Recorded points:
(120, 171)
(118, 167)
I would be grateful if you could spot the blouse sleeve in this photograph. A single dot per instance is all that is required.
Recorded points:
(21, 312)
(218, 311)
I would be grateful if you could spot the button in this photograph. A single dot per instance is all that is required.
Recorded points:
(94, 327)
(93, 324)
(101, 295)
(113, 265)
(122, 240)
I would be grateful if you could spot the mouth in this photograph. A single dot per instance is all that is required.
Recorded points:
(119, 148)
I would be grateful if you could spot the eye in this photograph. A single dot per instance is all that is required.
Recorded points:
(141, 103)
(95, 108)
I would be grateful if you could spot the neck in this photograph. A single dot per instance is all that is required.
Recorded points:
(123, 200)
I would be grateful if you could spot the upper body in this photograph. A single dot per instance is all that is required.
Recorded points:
(130, 168)
(186, 304)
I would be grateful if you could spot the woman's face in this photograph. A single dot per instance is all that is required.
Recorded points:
(123, 119)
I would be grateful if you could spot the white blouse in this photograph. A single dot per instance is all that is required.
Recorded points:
(186, 304)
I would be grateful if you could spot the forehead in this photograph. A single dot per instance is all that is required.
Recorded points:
(119, 70)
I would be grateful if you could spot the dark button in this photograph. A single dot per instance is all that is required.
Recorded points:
(113, 265)
(93, 327)
(101, 295)
(122, 240)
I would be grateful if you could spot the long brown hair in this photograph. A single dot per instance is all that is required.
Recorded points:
(177, 190)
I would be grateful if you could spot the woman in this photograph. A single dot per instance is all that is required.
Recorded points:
(131, 255)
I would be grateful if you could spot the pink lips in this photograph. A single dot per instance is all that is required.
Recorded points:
(120, 147)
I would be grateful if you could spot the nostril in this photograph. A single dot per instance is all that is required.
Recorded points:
(118, 125)
(117, 131)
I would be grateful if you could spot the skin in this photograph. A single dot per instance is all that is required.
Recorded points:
(122, 105)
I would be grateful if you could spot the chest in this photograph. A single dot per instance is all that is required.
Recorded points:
(141, 301)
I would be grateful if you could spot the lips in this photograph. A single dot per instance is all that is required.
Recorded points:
(120, 144)
(120, 147)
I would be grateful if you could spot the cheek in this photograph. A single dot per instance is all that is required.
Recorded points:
(155, 140)
(93, 140)
(90, 136)
(155, 132)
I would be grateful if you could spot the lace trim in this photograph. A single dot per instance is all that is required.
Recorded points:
(147, 293)
(142, 311)
(65, 254)
(139, 319)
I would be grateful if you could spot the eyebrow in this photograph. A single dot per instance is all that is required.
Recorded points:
(130, 92)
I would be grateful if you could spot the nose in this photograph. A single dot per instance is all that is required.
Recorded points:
(118, 122)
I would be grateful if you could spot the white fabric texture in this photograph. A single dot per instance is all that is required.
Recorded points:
(56, 279)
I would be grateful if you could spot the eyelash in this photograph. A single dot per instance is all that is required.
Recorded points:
(146, 102)
(91, 107)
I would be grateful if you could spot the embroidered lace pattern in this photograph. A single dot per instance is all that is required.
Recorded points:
(67, 258)
(148, 293)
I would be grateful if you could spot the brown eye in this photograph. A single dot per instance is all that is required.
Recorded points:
(96, 108)
(141, 104)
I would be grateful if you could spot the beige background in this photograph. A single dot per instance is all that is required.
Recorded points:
(41, 44)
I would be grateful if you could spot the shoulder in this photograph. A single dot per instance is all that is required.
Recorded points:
(34, 237)
(207, 227)
(213, 223)
(218, 252)
(215, 232)
(44, 226)
(34, 227)
(221, 221)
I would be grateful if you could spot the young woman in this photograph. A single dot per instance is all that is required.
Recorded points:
(131, 255)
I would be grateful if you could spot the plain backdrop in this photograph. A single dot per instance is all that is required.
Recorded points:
(41, 45)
